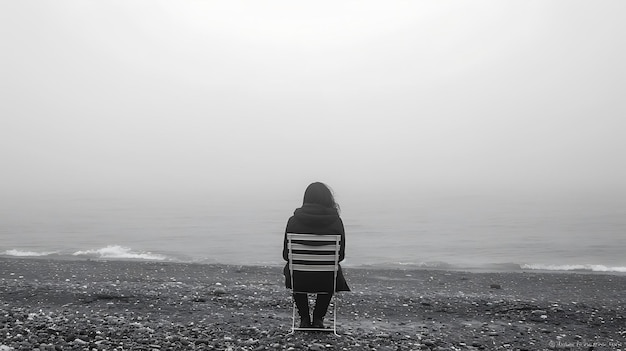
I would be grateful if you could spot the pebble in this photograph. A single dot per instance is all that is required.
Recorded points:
(219, 292)
(80, 341)
(428, 342)
(317, 347)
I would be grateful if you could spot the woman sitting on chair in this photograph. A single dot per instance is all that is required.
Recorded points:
(319, 214)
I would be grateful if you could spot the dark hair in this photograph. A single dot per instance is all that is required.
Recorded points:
(321, 194)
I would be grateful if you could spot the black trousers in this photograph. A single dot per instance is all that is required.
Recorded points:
(322, 301)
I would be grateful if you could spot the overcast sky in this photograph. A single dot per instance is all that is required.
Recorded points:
(206, 95)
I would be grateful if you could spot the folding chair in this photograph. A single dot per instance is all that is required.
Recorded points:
(317, 255)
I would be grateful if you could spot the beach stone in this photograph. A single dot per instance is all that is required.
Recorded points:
(80, 341)
(317, 347)
(203, 341)
(428, 342)
(219, 292)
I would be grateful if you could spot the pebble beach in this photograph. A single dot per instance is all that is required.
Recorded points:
(126, 305)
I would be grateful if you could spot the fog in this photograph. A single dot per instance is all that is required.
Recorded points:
(233, 97)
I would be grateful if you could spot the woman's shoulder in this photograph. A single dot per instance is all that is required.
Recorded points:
(292, 221)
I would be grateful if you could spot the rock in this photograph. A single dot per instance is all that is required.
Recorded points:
(80, 341)
(6, 348)
(219, 292)
(317, 347)
(428, 342)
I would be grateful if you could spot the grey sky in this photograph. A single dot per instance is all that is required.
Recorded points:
(119, 95)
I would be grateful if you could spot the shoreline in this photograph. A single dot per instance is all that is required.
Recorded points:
(143, 305)
(487, 268)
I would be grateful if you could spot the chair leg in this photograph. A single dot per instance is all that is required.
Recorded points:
(335, 315)
(293, 316)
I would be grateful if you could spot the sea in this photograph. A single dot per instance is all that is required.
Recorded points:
(541, 232)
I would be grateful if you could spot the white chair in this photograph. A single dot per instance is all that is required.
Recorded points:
(317, 254)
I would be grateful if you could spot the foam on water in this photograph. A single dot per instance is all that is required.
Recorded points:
(119, 252)
(115, 252)
(574, 267)
(22, 253)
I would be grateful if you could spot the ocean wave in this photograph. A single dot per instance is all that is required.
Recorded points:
(401, 265)
(120, 252)
(574, 267)
(431, 264)
(22, 253)
(496, 267)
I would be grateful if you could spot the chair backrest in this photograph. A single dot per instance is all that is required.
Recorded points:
(313, 261)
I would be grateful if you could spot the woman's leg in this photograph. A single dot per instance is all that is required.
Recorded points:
(302, 303)
(321, 306)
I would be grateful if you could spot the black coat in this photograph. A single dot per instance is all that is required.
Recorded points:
(316, 219)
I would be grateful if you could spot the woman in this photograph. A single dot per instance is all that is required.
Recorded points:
(319, 214)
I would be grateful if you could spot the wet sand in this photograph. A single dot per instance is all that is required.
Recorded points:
(120, 305)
